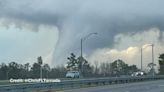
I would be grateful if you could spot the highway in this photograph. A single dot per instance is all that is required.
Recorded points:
(115, 84)
(150, 86)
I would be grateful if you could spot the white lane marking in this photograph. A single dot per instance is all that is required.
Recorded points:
(127, 91)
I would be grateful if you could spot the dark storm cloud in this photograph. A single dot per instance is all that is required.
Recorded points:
(75, 19)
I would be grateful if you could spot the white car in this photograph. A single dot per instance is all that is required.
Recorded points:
(72, 74)
(137, 74)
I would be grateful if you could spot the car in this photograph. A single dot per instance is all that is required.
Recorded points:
(138, 74)
(72, 74)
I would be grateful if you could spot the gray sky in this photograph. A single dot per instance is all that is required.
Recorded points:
(24, 46)
(119, 24)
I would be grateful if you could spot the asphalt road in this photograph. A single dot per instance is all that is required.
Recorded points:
(151, 86)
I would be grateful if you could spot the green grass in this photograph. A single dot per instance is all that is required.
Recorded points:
(4, 82)
(7, 82)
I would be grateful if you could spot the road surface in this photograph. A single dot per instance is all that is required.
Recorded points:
(151, 86)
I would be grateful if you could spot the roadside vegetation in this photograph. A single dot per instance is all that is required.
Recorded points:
(116, 68)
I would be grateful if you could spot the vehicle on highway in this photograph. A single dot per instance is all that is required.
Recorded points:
(72, 74)
(138, 74)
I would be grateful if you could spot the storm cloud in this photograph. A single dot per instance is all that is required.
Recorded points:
(77, 18)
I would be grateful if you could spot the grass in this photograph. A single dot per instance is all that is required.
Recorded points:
(7, 82)
(4, 82)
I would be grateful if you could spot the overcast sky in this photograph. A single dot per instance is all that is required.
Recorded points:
(23, 45)
(53, 29)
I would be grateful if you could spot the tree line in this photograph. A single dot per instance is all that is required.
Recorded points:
(116, 68)
(23, 71)
(103, 69)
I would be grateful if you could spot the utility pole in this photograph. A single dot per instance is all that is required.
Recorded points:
(83, 39)
(41, 71)
(81, 68)
(153, 71)
(141, 59)
(153, 59)
(81, 45)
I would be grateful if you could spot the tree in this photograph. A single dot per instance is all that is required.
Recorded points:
(79, 64)
(96, 70)
(119, 67)
(35, 70)
(58, 72)
(72, 63)
(151, 69)
(40, 62)
(105, 69)
(132, 69)
(161, 64)
(46, 70)
(14, 71)
(26, 66)
(3, 71)
(150, 65)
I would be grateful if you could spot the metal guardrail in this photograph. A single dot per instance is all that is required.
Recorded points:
(69, 84)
